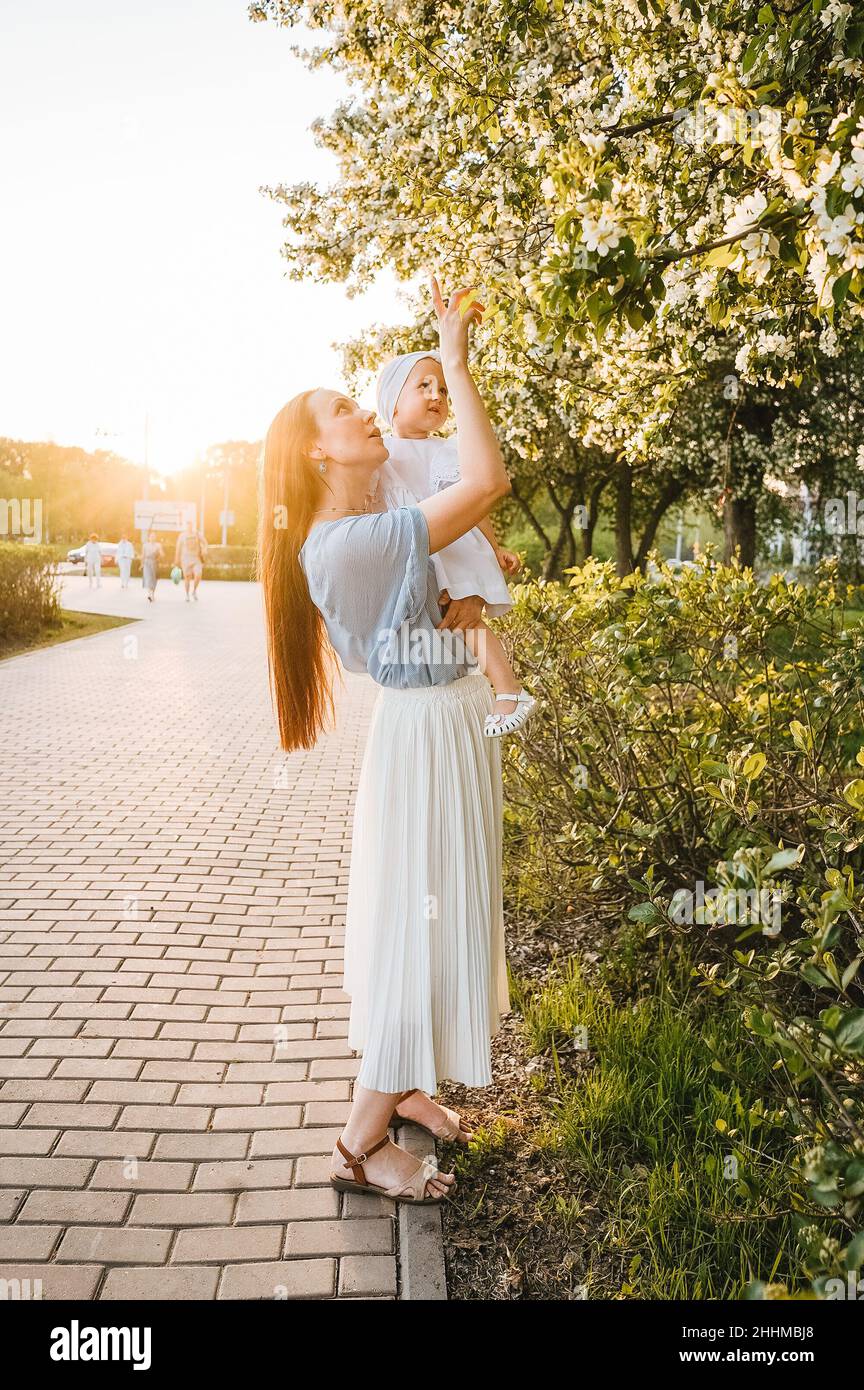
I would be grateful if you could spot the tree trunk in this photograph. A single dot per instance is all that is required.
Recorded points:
(531, 518)
(623, 520)
(564, 541)
(739, 527)
(670, 494)
(593, 510)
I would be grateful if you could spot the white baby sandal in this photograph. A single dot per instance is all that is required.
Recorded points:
(498, 724)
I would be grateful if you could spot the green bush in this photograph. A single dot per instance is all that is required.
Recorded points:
(223, 562)
(704, 731)
(231, 555)
(28, 597)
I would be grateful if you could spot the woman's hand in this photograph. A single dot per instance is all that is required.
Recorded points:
(453, 326)
(462, 613)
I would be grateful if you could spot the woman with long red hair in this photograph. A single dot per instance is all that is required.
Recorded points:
(424, 931)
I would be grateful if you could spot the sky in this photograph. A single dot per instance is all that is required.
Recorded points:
(142, 290)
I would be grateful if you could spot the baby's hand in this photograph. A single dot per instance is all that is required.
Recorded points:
(508, 561)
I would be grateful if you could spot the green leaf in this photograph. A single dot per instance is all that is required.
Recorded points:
(597, 304)
(760, 1024)
(850, 1034)
(853, 1178)
(754, 766)
(855, 1251)
(643, 912)
(825, 1196)
(784, 859)
(714, 769)
(721, 256)
(831, 1017)
(840, 288)
(751, 52)
(815, 977)
(853, 792)
(830, 965)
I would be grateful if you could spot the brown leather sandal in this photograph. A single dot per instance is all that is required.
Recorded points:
(414, 1185)
(454, 1127)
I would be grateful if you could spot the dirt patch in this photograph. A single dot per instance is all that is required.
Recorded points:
(503, 1237)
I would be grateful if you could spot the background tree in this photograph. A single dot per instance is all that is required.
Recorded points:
(558, 480)
(80, 491)
(204, 481)
(630, 177)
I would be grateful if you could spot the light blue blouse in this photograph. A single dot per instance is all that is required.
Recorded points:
(373, 581)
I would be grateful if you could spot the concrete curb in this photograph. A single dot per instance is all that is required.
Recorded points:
(421, 1271)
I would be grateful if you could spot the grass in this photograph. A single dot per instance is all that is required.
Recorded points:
(670, 1125)
(672, 1146)
(72, 625)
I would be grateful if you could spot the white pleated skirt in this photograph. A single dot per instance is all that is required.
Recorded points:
(425, 960)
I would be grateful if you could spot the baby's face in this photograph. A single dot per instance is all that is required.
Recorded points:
(423, 401)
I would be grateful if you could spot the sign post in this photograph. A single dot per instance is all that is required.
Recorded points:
(151, 513)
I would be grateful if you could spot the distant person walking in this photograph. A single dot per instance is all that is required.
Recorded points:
(125, 556)
(190, 553)
(93, 562)
(151, 555)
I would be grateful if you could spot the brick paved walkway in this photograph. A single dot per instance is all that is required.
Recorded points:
(172, 1028)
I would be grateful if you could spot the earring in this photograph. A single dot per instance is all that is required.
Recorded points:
(322, 467)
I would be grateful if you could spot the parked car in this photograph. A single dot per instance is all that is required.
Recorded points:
(107, 549)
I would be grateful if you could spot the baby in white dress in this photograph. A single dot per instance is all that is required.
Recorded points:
(413, 402)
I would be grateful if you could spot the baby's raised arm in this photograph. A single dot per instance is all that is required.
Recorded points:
(455, 510)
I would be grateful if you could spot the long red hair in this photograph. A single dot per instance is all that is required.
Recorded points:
(300, 658)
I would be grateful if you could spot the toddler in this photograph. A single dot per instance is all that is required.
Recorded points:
(412, 401)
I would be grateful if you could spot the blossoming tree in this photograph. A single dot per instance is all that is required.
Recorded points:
(639, 183)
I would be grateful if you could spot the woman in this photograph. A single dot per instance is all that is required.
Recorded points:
(151, 557)
(424, 934)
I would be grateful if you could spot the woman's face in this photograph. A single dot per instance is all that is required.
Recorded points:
(422, 407)
(345, 433)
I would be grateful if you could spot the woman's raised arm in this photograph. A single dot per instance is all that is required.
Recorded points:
(458, 508)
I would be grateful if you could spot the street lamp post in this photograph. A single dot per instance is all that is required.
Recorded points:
(225, 474)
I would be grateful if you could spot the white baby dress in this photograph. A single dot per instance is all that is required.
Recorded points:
(416, 469)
